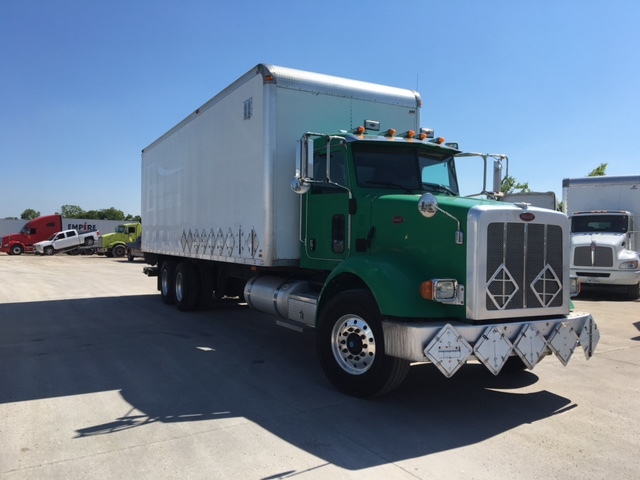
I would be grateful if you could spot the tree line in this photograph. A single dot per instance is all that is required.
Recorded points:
(74, 211)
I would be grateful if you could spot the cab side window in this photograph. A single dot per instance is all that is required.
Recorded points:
(338, 172)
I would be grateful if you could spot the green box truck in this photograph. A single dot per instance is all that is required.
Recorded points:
(320, 200)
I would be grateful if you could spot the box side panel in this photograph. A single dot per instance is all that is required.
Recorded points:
(203, 185)
(602, 196)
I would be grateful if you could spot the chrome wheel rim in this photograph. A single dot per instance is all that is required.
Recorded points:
(353, 344)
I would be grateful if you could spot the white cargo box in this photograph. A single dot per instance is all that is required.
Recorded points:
(217, 186)
(601, 193)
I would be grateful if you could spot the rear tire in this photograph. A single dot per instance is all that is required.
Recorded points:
(186, 286)
(350, 344)
(166, 282)
(89, 241)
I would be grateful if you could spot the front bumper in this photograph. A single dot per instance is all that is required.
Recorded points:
(449, 345)
(607, 277)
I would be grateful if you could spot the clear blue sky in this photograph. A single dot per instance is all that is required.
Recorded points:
(85, 85)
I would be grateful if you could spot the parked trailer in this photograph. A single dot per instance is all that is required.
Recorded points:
(605, 230)
(370, 244)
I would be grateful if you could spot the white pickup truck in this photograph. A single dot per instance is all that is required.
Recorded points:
(66, 240)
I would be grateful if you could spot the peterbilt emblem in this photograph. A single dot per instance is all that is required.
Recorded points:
(527, 216)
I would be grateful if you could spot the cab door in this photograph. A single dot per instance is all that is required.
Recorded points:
(326, 222)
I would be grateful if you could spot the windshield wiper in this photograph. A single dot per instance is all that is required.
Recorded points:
(438, 187)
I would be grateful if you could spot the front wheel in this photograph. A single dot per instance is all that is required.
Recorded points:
(118, 251)
(633, 291)
(16, 250)
(350, 344)
(48, 250)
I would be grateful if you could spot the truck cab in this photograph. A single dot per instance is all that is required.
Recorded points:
(605, 249)
(115, 244)
(33, 231)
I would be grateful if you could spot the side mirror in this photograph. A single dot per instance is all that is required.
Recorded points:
(497, 176)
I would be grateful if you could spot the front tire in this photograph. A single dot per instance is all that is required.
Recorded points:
(48, 251)
(118, 251)
(350, 344)
(16, 250)
(633, 291)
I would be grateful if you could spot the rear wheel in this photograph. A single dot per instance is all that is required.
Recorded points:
(129, 256)
(186, 286)
(118, 251)
(350, 344)
(167, 272)
(16, 250)
(89, 241)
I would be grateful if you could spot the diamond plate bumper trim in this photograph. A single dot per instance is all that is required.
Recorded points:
(449, 345)
(448, 350)
(493, 348)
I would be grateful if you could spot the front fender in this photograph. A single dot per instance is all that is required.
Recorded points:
(394, 282)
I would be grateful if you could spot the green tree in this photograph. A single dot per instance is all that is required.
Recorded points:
(510, 184)
(599, 171)
(29, 214)
(72, 211)
(111, 214)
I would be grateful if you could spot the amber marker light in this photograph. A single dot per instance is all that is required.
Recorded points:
(422, 136)
(391, 132)
(426, 290)
(360, 130)
(440, 140)
(410, 134)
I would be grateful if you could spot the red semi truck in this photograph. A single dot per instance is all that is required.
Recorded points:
(42, 228)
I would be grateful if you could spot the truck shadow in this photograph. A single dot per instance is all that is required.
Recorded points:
(231, 363)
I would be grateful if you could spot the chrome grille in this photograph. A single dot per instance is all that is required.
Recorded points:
(603, 257)
(524, 266)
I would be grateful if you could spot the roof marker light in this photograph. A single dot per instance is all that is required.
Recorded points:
(409, 134)
(390, 133)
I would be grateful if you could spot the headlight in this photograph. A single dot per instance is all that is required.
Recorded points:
(632, 265)
(574, 286)
(439, 290)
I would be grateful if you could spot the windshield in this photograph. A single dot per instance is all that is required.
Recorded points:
(405, 167)
(120, 229)
(599, 223)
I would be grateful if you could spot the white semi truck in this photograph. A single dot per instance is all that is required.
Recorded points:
(321, 201)
(605, 236)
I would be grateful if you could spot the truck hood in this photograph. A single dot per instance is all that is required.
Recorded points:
(614, 240)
